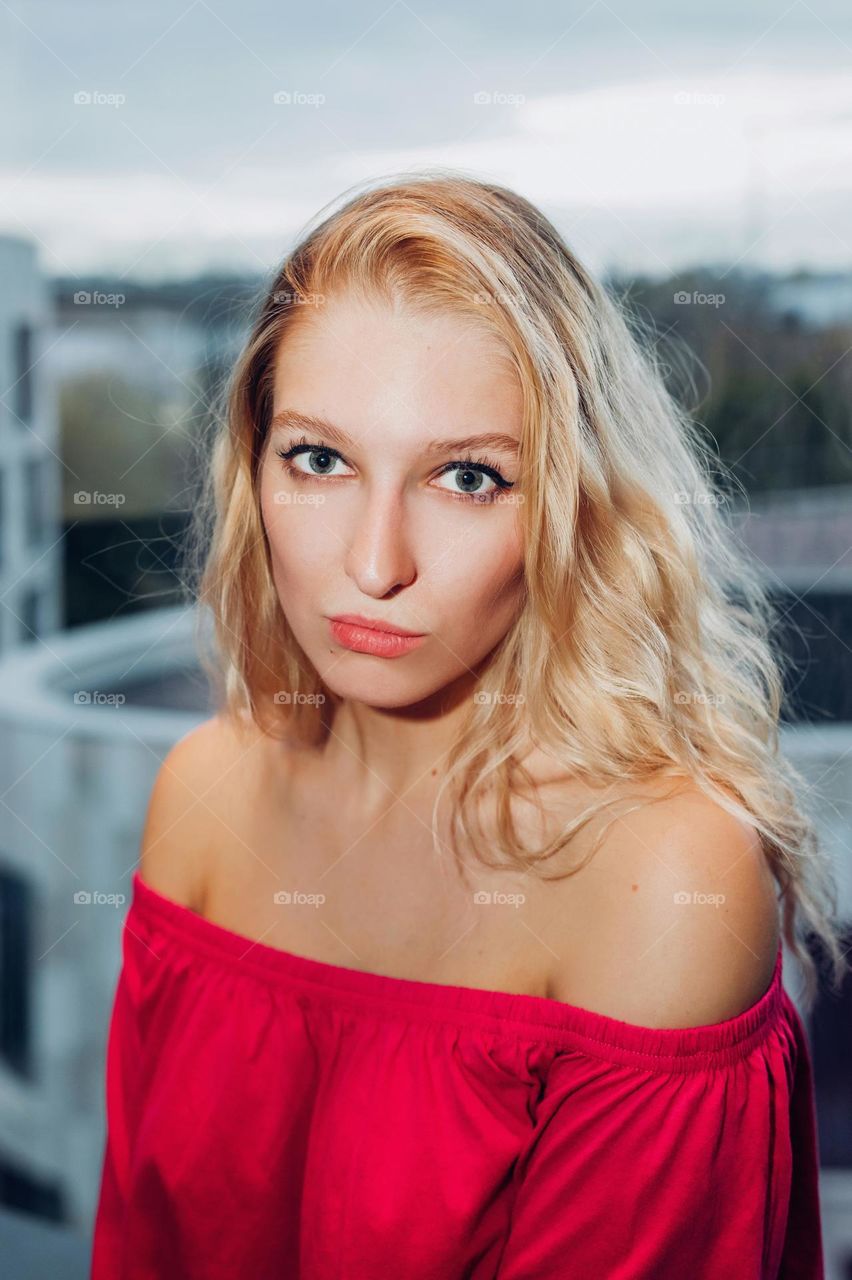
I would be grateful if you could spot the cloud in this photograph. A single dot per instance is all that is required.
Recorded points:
(651, 171)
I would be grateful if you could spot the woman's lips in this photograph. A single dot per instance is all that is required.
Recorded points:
(363, 639)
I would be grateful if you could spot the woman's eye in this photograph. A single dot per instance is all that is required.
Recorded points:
(465, 479)
(462, 479)
(314, 462)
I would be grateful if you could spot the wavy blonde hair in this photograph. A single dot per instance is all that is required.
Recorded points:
(642, 649)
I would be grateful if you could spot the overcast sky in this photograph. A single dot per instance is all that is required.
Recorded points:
(157, 139)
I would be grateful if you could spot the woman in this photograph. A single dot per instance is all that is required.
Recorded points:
(455, 944)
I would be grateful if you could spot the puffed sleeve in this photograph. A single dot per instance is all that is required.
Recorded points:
(124, 1101)
(674, 1153)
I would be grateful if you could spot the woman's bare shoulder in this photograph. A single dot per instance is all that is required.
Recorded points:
(200, 785)
(674, 922)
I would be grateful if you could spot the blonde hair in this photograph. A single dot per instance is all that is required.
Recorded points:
(643, 649)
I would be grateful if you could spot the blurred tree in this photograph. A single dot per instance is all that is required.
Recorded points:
(125, 495)
(122, 443)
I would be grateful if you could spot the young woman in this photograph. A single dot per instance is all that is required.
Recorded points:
(455, 948)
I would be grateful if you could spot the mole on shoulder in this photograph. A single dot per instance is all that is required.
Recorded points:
(634, 887)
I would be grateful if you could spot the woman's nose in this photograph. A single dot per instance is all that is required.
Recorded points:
(379, 556)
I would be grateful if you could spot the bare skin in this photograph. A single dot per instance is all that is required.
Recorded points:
(236, 817)
(252, 818)
(386, 531)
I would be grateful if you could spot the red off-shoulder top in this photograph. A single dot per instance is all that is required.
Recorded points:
(274, 1117)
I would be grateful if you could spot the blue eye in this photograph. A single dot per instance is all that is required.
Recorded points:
(319, 457)
(473, 479)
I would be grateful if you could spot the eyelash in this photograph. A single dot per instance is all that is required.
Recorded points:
(474, 464)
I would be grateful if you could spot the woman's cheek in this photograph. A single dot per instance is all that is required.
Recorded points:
(484, 552)
(299, 531)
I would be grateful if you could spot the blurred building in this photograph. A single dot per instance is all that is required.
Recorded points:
(814, 299)
(84, 731)
(30, 467)
(802, 540)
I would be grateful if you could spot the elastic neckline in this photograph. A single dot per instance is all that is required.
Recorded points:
(537, 1017)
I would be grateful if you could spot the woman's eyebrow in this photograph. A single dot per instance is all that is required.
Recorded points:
(334, 435)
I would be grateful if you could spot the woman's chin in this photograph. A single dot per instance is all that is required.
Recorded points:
(384, 686)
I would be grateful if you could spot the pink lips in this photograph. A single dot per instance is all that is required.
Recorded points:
(366, 635)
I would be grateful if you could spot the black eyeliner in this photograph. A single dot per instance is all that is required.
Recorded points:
(473, 464)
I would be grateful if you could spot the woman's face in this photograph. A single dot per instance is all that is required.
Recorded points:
(374, 512)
